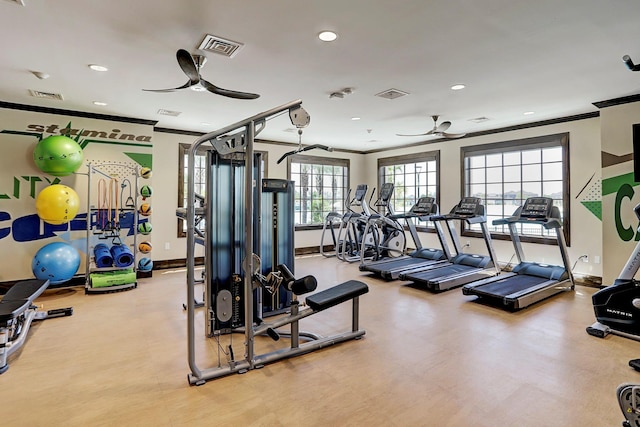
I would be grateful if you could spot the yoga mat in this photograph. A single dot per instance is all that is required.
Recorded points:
(122, 255)
(102, 256)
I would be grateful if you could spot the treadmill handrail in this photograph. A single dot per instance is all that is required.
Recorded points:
(548, 223)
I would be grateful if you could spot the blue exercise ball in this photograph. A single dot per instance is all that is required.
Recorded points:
(58, 262)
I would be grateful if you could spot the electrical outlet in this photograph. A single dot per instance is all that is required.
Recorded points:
(585, 258)
(167, 246)
(596, 259)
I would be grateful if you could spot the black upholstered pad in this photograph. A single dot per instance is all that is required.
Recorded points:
(11, 309)
(26, 290)
(336, 295)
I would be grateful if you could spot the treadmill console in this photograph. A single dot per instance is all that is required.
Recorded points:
(536, 208)
(423, 206)
(468, 206)
(361, 191)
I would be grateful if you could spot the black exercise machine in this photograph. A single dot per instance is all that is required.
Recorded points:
(462, 268)
(617, 307)
(17, 311)
(528, 282)
(390, 268)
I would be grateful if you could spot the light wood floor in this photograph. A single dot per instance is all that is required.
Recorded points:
(426, 360)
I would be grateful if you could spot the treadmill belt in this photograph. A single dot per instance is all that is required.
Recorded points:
(509, 285)
(449, 269)
(388, 265)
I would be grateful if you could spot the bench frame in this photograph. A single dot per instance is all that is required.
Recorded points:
(296, 348)
(18, 314)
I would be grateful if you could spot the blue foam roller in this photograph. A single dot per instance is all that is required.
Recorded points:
(102, 256)
(122, 255)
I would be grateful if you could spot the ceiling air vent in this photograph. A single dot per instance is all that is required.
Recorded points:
(220, 46)
(164, 112)
(392, 94)
(46, 95)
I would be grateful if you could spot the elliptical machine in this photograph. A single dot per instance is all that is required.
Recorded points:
(383, 234)
(617, 307)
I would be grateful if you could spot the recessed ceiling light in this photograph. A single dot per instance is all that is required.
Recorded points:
(327, 36)
(205, 124)
(355, 118)
(528, 113)
(96, 67)
(100, 103)
(457, 87)
(197, 88)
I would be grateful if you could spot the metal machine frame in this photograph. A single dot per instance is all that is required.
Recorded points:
(239, 138)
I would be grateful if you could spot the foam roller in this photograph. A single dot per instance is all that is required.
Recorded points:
(122, 255)
(102, 256)
(112, 278)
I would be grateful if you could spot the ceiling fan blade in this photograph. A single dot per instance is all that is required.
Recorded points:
(184, 86)
(442, 127)
(418, 134)
(188, 65)
(453, 135)
(226, 92)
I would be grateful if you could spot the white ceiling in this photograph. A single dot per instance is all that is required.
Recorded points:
(553, 57)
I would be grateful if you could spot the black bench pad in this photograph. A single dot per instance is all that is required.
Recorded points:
(26, 290)
(11, 309)
(336, 295)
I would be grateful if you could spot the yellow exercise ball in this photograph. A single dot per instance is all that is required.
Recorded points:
(57, 204)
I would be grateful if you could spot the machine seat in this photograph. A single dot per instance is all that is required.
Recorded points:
(336, 295)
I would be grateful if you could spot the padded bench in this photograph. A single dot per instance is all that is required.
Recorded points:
(336, 295)
(20, 297)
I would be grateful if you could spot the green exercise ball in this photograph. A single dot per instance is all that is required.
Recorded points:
(58, 155)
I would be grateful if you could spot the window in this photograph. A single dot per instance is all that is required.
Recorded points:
(321, 185)
(200, 177)
(505, 174)
(413, 176)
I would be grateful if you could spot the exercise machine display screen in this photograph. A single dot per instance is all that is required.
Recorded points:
(423, 206)
(361, 191)
(537, 207)
(467, 206)
(386, 191)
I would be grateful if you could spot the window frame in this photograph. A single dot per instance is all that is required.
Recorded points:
(518, 145)
(425, 156)
(318, 160)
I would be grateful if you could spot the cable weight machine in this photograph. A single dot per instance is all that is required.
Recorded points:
(238, 270)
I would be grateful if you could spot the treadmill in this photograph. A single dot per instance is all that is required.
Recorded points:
(462, 268)
(528, 282)
(390, 268)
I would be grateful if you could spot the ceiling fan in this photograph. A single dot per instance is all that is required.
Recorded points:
(439, 130)
(191, 65)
